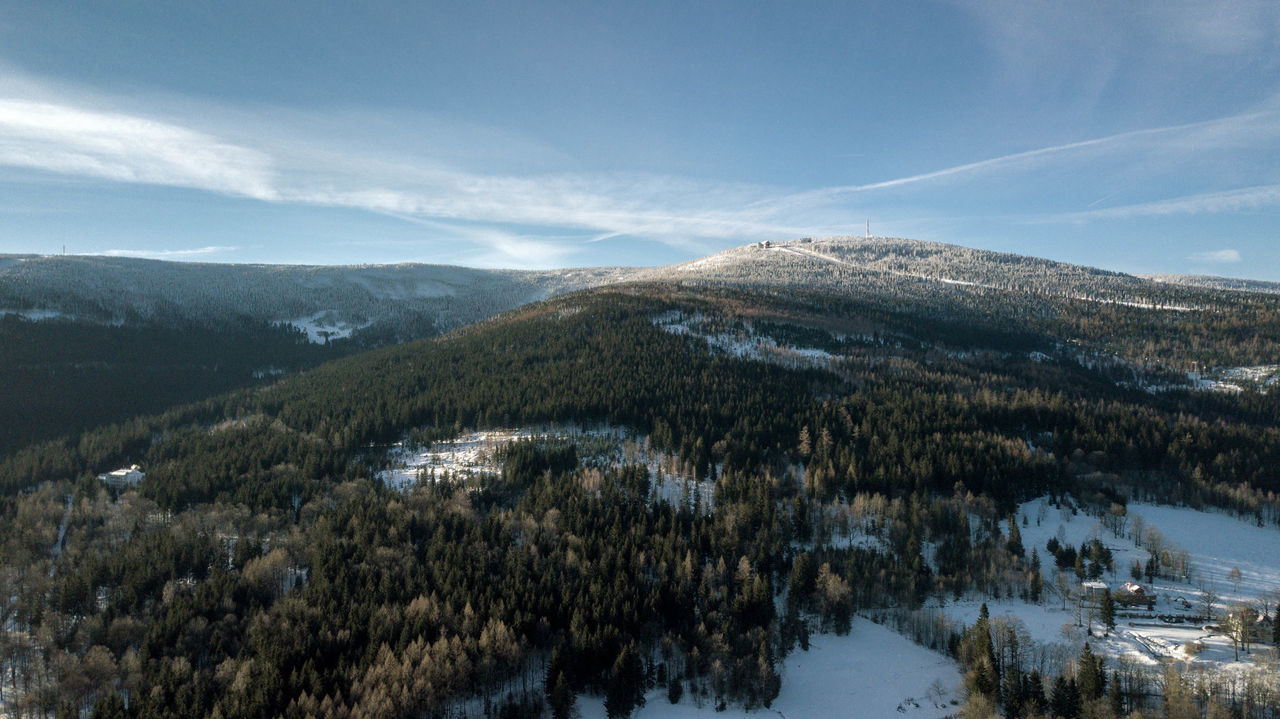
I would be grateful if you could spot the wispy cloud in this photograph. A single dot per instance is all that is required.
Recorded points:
(491, 247)
(566, 210)
(63, 138)
(127, 148)
(170, 254)
(1216, 256)
(1235, 131)
(1247, 198)
(672, 210)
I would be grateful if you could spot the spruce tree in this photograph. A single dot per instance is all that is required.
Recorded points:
(1065, 700)
(1108, 611)
(626, 684)
(1091, 675)
(560, 696)
(1035, 692)
(986, 676)
(1114, 696)
(675, 690)
(1015, 537)
(1037, 579)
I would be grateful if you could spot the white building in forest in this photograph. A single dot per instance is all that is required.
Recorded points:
(126, 477)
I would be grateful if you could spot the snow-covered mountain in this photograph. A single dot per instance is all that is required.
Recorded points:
(397, 302)
(400, 301)
(896, 267)
(1218, 283)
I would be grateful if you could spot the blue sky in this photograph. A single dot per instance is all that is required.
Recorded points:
(1142, 137)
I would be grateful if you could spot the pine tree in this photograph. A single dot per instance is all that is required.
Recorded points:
(1108, 611)
(1114, 696)
(625, 691)
(986, 675)
(560, 696)
(675, 690)
(1037, 579)
(1091, 675)
(1015, 537)
(1013, 691)
(1035, 692)
(1065, 700)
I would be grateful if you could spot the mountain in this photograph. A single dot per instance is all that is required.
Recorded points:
(666, 483)
(923, 269)
(96, 339)
(88, 340)
(1218, 283)
(390, 302)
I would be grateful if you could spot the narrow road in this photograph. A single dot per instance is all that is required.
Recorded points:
(62, 533)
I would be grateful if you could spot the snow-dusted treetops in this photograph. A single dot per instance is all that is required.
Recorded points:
(722, 485)
(115, 290)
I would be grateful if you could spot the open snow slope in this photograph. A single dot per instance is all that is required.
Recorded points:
(872, 672)
(1214, 542)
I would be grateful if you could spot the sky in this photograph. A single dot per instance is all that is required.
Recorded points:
(1136, 136)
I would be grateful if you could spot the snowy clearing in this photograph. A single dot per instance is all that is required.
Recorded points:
(1236, 379)
(474, 455)
(746, 344)
(1215, 543)
(326, 325)
(871, 672)
(35, 315)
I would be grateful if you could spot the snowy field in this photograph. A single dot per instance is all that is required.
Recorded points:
(34, 315)
(469, 454)
(871, 672)
(746, 345)
(1215, 542)
(1235, 379)
(474, 454)
(325, 325)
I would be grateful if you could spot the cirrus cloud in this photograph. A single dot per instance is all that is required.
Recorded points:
(82, 142)
(1225, 256)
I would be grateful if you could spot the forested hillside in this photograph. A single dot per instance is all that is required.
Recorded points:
(91, 340)
(88, 340)
(861, 451)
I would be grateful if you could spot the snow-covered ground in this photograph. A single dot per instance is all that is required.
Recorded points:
(468, 454)
(806, 252)
(473, 454)
(34, 315)
(326, 325)
(1235, 379)
(745, 344)
(1219, 542)
(1225, 379)
(871, 672)
(1215, 543)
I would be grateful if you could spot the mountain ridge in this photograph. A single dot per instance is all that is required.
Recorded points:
(401, 301)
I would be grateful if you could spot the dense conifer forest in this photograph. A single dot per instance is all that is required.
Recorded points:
(263, 567)
(58, 377)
